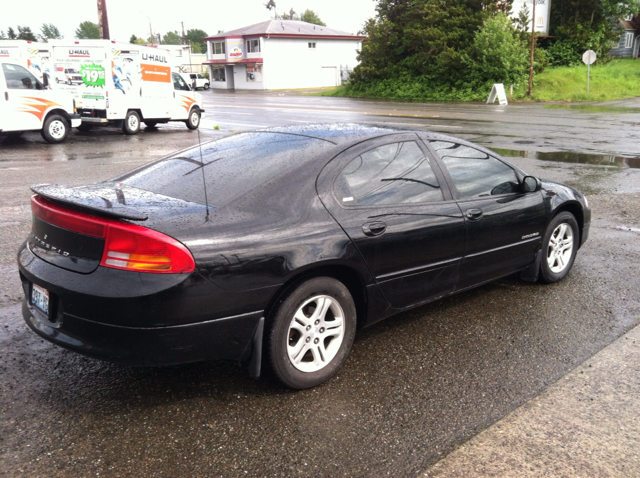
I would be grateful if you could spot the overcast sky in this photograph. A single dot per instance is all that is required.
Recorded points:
(127, 17)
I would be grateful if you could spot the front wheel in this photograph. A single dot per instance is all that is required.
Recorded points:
(85, 127)
(55, 129)
(194, 118)
(311, 332)
(206, 86)
(131, 123)
(559, 247)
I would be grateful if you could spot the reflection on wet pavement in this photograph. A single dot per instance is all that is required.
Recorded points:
(571, 157)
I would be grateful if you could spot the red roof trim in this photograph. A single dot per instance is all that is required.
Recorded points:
(229, 62)
(290, 35)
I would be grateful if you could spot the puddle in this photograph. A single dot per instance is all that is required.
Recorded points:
(596, 108)
(572, 157)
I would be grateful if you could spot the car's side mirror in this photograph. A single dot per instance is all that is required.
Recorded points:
(531, 184)
(45, 81)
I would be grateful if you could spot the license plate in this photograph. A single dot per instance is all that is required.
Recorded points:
(40, 298)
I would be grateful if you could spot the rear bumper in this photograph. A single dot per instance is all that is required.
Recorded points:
(228, 338)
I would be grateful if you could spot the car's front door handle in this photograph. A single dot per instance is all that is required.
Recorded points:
(374, 228)
(473, 214)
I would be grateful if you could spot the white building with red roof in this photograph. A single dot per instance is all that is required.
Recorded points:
(279, 54)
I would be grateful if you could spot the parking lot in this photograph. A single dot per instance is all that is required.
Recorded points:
(414, 387)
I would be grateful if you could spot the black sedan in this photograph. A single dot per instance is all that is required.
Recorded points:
(276, 245)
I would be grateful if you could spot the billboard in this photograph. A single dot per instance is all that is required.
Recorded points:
(543, 9)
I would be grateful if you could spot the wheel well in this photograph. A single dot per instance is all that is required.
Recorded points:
(60, 112)
(350, 278)
(576, 210)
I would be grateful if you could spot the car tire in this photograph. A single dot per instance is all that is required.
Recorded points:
(206, 86)
(193, 121)
(559, 247)
(310, 332)
(84, 127)
(131, 123)
(55, 129)
(151, 124)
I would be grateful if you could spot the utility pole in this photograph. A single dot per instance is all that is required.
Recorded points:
(184, 38)
(103, 20)
(533, 46)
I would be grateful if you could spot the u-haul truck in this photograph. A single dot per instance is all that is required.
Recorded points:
(26, 104)
(35, 56)
(123, 84)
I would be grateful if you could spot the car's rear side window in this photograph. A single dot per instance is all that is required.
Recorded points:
(233, 167)
(396, 173)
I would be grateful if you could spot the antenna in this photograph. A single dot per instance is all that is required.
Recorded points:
(204, 182)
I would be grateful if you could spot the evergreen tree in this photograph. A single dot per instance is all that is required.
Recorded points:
(88, 30)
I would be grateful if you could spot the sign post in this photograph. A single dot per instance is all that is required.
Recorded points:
(588, 58)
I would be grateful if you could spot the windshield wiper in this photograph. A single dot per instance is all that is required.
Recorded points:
(435, 186)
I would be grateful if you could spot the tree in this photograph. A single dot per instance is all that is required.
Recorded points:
(292, 15)
(11, 34)
(420, 38)
(310, 16)
(196, 39)
(48, 31)
(499, 54)
(172, 38)
(25, 33)
(88, 30)
(579, 25)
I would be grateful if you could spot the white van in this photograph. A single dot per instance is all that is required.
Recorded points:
(123, 84)
(196, 79)
(27, 105)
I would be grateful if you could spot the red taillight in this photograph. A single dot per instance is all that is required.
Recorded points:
(127, 246)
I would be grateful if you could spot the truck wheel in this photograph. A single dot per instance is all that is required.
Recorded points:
(206, 86)
(131, 123)
(194, 118)
(55, 129)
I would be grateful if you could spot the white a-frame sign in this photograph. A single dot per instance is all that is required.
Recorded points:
(498, 90)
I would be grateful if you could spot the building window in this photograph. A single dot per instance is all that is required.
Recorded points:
(312, 45)
(218, 48)
(629, 40)
(253, 46)
(254, 73)
(218, 73)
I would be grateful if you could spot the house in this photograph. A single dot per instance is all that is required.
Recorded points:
(629, 40)
(278, 54)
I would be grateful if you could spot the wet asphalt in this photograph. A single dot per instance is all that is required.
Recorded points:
(415, 386)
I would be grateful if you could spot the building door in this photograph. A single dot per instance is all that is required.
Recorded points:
(231, 81)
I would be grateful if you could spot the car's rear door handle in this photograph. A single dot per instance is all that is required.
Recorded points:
(374, 228)
(473, 214)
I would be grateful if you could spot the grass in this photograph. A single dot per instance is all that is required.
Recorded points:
(615, 80)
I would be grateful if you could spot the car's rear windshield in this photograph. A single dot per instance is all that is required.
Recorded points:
(233, 167)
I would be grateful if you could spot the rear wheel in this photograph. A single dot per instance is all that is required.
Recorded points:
(559, 247)
(55, 129)
(131, 123)
(311, 332)
(194, 118)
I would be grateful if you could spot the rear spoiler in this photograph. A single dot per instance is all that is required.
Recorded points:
(106, 199)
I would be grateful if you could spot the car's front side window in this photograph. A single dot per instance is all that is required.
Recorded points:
(475, 173)
(397, 173)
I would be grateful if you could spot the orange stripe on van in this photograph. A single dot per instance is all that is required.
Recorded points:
(187, 102)
(40, 105)
(161, 74)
